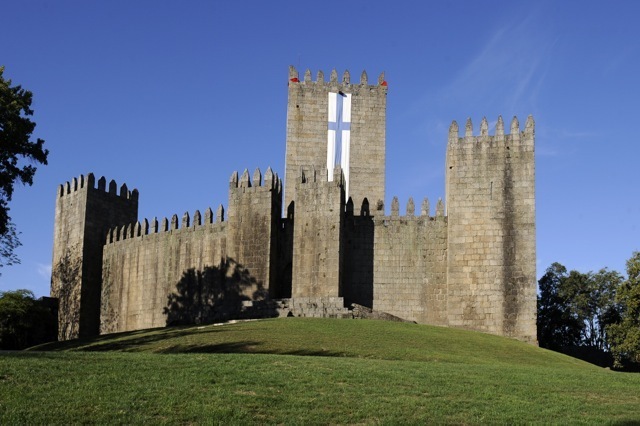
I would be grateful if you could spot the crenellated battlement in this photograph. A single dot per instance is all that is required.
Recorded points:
(151, 227)
(89, 182)
(525, 136)
(410, 210)
(271, 181)
(333, 78)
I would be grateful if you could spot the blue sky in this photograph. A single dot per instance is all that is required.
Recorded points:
(172, 97)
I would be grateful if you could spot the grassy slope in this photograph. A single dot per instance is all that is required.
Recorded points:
(359, 372)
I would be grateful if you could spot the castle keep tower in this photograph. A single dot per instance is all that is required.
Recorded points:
(337, 123)
(83, 216)
(491, 252)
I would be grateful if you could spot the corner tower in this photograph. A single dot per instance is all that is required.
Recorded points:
(84, 214)
(491, 248)
(337, 124)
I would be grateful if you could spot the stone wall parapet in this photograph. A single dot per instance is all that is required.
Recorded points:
(88, 183)
(149, 227)
(344, 83)
(525, 137)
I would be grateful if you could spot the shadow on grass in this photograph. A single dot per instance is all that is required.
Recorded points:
(128, 342)
(137, 344)
(249, 347)
(124, 341)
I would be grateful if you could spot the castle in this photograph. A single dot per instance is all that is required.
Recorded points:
(471, 266)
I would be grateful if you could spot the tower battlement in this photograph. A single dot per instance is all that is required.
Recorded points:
(525, 136)
(333, 82)
(271, 180)
(82, 183)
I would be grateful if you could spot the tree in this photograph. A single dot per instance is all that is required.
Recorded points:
(24, 321)
(559, 324)
(15, 148)
(624, 335)
(575, 308)
(601, 308)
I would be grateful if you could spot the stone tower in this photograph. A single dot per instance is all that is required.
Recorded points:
(491, 251)
(337, 123)
(84, 214)
(318, 249)
(252, 227)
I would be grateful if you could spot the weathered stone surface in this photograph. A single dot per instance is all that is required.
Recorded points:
(491, 251)
(84, 217)
(362, 312)
(471, 266)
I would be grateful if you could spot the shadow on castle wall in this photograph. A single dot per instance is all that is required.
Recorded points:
(359, 242)
(67, 289)
(218, 293)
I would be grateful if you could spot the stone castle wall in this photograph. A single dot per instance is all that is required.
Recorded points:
(409, 261)
(397, 264)
(161, 273)
(472, 266)
(141, 272)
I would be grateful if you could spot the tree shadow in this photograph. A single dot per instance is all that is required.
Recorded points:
(123, 341)
(147, 341)
(248, 347)
(66, 280)
(218, 293)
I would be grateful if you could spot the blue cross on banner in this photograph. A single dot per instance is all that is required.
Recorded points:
(338, 126)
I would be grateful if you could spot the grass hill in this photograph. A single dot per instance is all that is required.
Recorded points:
(309, 371)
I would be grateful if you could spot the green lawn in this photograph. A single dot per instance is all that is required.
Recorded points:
(309, 371)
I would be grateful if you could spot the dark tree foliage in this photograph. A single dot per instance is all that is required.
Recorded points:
(8, 243)
(599, 307)
(25, 321)
(575, 308)
(18, 156)
(624, 334)
(558, 325)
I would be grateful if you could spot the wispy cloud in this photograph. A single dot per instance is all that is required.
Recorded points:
(558, 142)
(510, 68)
(545, 151)
(505, 75)
(44, 270)
(568, 134)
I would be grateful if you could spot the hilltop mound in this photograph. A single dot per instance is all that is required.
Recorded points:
(308, 371)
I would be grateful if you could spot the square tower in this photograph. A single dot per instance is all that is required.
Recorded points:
(84, 214)
(491, 250)
(332, 124)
